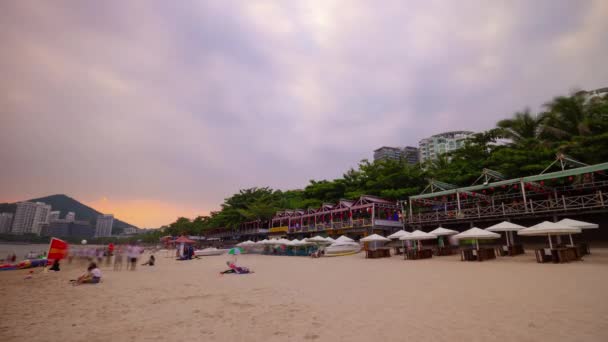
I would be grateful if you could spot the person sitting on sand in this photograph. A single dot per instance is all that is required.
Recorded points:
(150, 261)
(92, 276)
(236, 269)
(55, 266)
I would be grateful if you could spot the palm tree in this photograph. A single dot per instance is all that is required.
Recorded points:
(568, 116)
(523, 127)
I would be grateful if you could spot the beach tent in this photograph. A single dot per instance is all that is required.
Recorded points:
(343, 238)
(183, 239)
(418, 235)
(398, 234)
(549, 228)
(476, 234)
(508, 228)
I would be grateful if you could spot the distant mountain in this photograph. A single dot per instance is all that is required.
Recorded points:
(65, 204)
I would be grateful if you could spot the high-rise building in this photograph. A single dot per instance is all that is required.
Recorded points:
(70, 216)
(30, 217)
(104, 225)
(408, 153)
(6, 221)
(54, 215)
(430, 148)
(63, 228)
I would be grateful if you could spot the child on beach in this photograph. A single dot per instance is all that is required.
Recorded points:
(150, 262)
(236, 269)
(92, 276)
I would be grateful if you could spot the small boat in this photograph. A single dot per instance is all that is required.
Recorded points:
(342, 248)
(209, 251)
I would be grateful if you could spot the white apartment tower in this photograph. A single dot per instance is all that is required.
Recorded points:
(6, 220)
(30, 217)
(432, 147)
(104, 225)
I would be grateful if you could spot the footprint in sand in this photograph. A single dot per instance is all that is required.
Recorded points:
(310, 336)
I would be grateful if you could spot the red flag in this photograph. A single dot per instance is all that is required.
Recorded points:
(58, 249)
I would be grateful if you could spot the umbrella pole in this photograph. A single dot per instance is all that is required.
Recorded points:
(477, 243)
(507, 236)
(550, 243)
(571, 242)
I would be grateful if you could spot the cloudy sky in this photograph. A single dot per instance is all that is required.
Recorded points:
(154, 109)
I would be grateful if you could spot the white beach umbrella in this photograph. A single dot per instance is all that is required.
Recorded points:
(440, 231)
(418, 235)
(283, 242)
(578, 224)
(374, 237)
(398, 234)
(507, 227)
(317, 239)
(549, 228)
(246, 243)
(330, 240)
(343, 238)
(476, 234)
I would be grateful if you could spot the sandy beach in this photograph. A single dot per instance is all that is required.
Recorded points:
(328, 299)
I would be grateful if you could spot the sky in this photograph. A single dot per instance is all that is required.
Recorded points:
(152, 110)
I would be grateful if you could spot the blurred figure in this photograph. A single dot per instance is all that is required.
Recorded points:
(118, 256)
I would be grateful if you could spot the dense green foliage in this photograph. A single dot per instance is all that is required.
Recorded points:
(520, 146)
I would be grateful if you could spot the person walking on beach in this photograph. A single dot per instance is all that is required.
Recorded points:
(118, 256)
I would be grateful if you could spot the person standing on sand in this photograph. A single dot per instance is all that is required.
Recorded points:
(132, 254)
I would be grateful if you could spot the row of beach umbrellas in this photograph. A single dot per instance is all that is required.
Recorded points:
(295, 242)
(564, 227)
(545, 228)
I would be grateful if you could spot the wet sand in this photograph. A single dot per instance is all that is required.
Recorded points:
(302, 299)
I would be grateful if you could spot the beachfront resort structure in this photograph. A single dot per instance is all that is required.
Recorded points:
(366, 215)
(432, 147)
(408, 154)
(103, 228)
(30, 217)
(555, 193)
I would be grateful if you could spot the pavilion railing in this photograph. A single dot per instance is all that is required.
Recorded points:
(564, 203)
